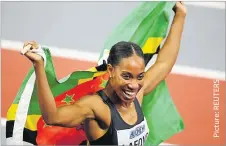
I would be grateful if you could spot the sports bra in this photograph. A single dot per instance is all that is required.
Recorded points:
(121, 133)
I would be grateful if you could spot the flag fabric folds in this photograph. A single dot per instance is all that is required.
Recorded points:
(147, 26)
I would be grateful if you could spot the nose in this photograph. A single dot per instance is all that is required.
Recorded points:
(133, 85)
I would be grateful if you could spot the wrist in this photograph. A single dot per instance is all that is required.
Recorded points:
(180, 14)
(38, 64)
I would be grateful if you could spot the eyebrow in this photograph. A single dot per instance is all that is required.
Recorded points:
(131, 73)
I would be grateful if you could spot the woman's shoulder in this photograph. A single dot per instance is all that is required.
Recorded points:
(94, 99)
(98, 106)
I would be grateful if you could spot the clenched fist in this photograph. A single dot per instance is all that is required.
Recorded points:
(180, 9)
(29, 49)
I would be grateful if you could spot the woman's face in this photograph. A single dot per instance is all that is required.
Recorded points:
(127, 77)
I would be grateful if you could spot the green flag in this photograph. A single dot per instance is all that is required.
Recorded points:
(147, 26)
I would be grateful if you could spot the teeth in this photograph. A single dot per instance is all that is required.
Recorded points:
(129, 93)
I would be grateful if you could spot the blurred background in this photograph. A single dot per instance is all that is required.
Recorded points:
(84, 26)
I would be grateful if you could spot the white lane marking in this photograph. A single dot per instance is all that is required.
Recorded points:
(91, 56)
(3, 122)
(55, 51)
(201, 3)
(198, 72)
(211, 4)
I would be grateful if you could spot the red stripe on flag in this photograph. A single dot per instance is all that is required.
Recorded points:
(55, 135)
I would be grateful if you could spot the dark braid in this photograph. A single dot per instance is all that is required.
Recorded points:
(121, 50)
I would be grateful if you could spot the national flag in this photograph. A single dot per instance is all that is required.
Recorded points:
(147, 26)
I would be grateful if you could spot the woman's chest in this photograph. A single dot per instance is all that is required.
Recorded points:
(135, 135)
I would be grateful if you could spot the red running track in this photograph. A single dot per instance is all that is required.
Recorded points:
(192, 96)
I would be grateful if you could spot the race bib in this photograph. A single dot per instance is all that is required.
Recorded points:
(135, 136)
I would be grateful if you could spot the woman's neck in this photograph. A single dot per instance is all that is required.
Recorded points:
(109, 91)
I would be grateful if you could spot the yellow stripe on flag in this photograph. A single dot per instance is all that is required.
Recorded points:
(92, 69)
(84, 80)
(151, 45)
(31, 122)
(11, 114)
(99, 73)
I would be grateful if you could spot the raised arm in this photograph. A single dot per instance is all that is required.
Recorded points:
(168, 53)
(67, 116)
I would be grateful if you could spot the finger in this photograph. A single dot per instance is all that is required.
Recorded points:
(28, 42)
(33, 43)
(26, 49)
(33, 50)
(28, 54)
(180, 2)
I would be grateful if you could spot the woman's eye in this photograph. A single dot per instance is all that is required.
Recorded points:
(140, 77)
(126, 77)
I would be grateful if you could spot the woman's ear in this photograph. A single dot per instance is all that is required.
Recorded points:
(110, 69)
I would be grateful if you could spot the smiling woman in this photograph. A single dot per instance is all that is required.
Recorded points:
(122, 97)
(126, 68)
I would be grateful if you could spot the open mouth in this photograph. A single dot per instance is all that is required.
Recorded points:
(129, 94)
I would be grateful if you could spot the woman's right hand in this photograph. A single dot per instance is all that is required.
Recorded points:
(180, 8)
(30, 54)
